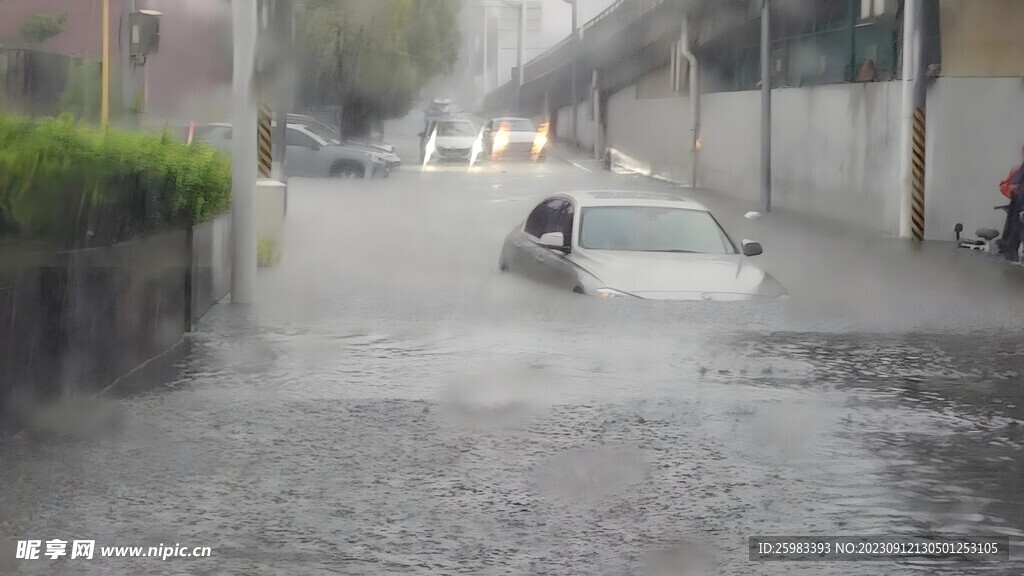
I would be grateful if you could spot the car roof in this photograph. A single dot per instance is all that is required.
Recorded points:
(507, 118)
(590, 198)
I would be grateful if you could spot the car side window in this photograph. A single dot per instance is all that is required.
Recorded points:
(536, 222)
(297, 138)
(552, 215)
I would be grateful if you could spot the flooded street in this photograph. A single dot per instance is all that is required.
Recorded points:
(396, 405)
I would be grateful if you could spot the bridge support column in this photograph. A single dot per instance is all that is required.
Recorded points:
(595, 100)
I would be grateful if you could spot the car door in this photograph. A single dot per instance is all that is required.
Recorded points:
(538, 261)
(425, 137)
(302, 154)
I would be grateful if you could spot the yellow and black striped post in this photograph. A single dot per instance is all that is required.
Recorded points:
(263, 149)
(917, 190)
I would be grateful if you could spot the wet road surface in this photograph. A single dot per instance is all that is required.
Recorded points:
(395, 405)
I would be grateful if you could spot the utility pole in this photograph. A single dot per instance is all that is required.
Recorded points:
(520, 46)
(127, 64)
(575, 55)
(243, 149)
(766, 108)
(283, 26)
(105, 91)
(911, 79)
(487, 78)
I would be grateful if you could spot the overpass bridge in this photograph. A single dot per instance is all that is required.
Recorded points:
(629, 39)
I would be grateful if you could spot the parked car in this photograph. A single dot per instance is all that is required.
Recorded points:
(333, 134)
(514, 138)
(625, 244)
(309, 154)
(455, 138)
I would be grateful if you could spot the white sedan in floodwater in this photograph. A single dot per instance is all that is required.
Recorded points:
(635, 244)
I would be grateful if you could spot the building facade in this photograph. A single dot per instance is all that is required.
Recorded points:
(188, 79)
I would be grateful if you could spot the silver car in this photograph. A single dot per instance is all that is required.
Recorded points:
(648, 245)
(308, 153)
(333, 135)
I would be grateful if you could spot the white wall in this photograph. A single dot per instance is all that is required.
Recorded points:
(563, 125)
(655, 131)
(834, 150)
(975, 133)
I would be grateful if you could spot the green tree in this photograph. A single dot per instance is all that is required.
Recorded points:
(372, 58)
(40, 27)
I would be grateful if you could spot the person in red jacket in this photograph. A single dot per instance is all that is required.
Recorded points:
(1013, 188)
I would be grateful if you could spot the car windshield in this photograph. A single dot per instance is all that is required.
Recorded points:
(515, 124)
(652, 229)
(328, 133)
(455, 129)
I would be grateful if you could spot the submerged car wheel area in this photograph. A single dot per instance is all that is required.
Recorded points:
(626, 244)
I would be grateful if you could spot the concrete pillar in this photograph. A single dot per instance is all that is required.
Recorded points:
(282, 30)
(595, 99)
(243, 150)
(766, 107)
(127, 66)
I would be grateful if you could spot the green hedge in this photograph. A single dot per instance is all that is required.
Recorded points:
(81, 185)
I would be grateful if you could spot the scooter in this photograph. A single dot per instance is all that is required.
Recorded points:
(987, 237)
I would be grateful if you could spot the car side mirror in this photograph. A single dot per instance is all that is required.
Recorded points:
(751, 248)
(554, 241)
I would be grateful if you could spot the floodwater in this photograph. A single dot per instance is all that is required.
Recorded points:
(395, 405)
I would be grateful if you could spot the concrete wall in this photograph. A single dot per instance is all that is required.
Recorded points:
(211, 264)
(654, 131)
(975, 133)
(77, 320)
(563, 125)
(835, 150)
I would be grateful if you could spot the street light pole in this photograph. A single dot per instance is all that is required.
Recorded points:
(519, 55)
(283, 21)
(487, 84)
(766, 108)
(127, 65)
(575, 55)
(243, 149)
(105, 90)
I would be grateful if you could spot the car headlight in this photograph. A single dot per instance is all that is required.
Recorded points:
(611, 293)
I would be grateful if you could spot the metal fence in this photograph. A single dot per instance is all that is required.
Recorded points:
(36, 83)
(867, 52)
